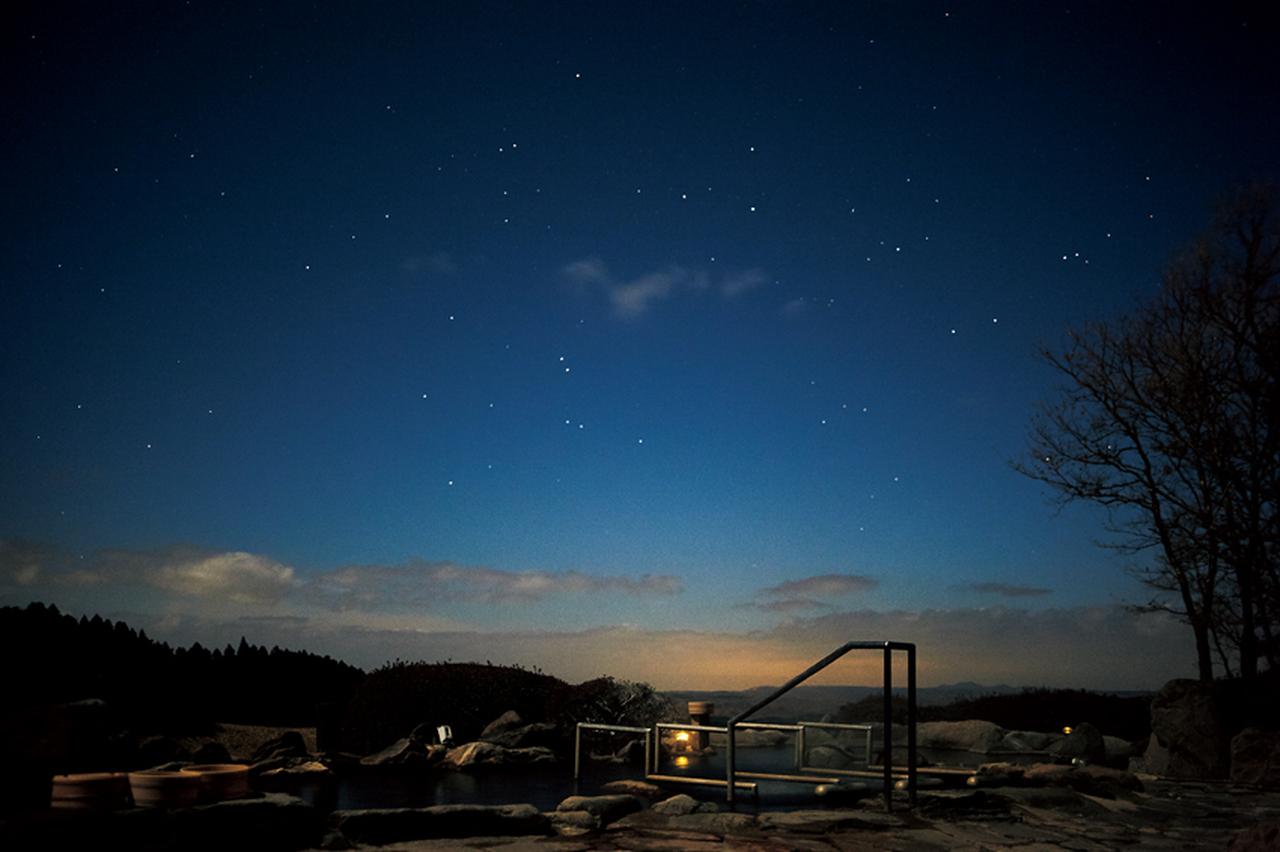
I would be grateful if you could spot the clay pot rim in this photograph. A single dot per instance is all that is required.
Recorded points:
(163, 773)
(82, 777)
(218, 768)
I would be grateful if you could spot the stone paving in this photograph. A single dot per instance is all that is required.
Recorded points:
(1165, 815)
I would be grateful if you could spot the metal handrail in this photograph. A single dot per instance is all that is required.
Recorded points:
(888, 647)
(801, 749)
(594, 726)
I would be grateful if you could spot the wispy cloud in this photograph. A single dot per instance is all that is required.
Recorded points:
(194, 572)
(988, 645)
(22, 562)
(739, 283)
(240, 577)
(1007, 590)
(422, 583)
(183, 572)
(796, 307)
(633, 298)
(821, 585)
(786, 606)
(809, 594)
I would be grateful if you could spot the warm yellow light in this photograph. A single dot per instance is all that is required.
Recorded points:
(1066, 729)
(682, 761)
(682, 736)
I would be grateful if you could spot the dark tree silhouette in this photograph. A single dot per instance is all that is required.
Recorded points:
(155, 687)
(1168, 419)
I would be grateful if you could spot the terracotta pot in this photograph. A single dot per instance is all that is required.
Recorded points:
(154, 788)
(222, 780)
(90, 791)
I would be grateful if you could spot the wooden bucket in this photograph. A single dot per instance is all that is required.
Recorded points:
(222, 780)
(90, 791)
(156, 788)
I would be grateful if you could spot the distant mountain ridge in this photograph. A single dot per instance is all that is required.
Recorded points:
(811, 703)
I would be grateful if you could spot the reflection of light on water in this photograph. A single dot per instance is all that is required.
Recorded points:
(682, 761)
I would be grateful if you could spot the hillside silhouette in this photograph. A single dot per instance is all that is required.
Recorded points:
(53, 658)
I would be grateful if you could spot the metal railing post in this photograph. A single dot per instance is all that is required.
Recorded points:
(888, 727)
(911, 725)
(577, 751)
(730, 769)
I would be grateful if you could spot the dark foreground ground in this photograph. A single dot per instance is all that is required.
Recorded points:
(1166, 815)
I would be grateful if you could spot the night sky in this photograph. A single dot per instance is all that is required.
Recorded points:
(675, 342)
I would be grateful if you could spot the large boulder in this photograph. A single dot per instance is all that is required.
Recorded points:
(288, 744)
(1255, 758)
(832, 757)
(678, 805)
(210, 751)
(1118, 751)
(605, 809)
(508, 721)
(153, 751)
(1092, 780)
(973, 735)
(1188, 735)
(483, 754)
(1028, 741)
(759, 738)
(511, 731)
(407, 752)
(1083, 743)
(631, 786)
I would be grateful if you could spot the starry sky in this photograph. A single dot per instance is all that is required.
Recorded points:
(679, 342)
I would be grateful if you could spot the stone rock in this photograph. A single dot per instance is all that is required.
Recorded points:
(632, 787)
(832, 757)
(483, 754)
(511, 731)
(713, 823)
(1255, 758)
(290, 767)
(631, 752)
(998, 775)
(1027, 741)
(210, 751)
(827, 821)
(391, 825)
(1188, 737)
(1093, 780)
(972, 735)
(153, 751)
(677, 805)
(1118, 751)
(572, 822)
(759, 738)
(407, 752)
(288, 744)
(1083, 743)
(508, 721)
(606, 809)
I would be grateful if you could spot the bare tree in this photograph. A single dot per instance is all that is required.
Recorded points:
(1168, 419)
